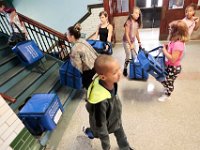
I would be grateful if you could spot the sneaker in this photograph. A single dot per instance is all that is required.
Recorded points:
(88, 133)
(130, 148)
(164, 98)
(125, 72)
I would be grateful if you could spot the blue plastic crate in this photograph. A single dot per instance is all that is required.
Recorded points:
(28, 52)
(41, 112)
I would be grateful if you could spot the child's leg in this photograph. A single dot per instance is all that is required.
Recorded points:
(128, 54)
(105, 142)
(173, 72)
(127, 51)
(121, 139)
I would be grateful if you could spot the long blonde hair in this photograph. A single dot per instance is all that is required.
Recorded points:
(179, 32)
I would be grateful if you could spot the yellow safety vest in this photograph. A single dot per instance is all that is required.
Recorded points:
(97, 93)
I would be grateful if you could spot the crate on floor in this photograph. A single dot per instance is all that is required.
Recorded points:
(42, 112)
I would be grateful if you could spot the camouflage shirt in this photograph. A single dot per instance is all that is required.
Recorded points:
(83, 55)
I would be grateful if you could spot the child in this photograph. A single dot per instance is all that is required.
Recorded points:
(105, 29)
(174, 52)
(82, 54)
(191, 21)
(132, 24)
(103, 104)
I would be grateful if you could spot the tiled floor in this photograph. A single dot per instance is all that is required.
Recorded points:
(148, 123)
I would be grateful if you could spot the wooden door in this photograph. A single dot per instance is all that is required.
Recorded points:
(172, 10)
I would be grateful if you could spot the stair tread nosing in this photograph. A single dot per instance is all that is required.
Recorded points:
(23, 84)
(11, 73)
(7, 58)
(64, 93)
(48, 84)
(26, 82)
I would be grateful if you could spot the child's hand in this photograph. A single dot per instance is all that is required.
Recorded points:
(107, 47)
(196, 19)
(132, 46)
(165, 47)
(140, 45)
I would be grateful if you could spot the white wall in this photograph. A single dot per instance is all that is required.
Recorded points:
(57, 14)
(90, 25)
(10, 125)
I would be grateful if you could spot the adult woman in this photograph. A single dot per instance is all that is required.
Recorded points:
(82, 55)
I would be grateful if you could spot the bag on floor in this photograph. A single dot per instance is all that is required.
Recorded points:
(28, 52)
(70, 76)
(100, 46)
(136, 71)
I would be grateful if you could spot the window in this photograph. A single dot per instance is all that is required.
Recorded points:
(176, 4)
(120, 6)
(149, 3)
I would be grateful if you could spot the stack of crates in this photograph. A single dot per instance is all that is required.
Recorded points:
(42, 112)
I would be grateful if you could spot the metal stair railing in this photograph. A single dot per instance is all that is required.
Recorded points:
(46, 38)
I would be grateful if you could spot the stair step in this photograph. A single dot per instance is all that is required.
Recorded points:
(4, 51)
(8, 62)
(27, 85)
(49, 84)
(11, 77)
(4, 40)
(63, 93)
(7, 59)
(21, 86)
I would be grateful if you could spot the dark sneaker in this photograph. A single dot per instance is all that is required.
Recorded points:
(88, 132)
(125, 72)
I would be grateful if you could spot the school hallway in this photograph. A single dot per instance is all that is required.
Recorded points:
(148, 123)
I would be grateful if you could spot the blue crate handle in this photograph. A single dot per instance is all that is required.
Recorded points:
(155, 49)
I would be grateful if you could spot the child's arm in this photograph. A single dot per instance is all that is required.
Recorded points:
(110, 31)
(127, 31)
(172, 23)
(197, 23)
(138, 37)
(23, 25)
(12, 16)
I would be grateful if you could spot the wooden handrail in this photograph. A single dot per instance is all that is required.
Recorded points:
(41, 26)
(8, 98)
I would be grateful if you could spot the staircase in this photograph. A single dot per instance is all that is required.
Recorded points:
(21, 82)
